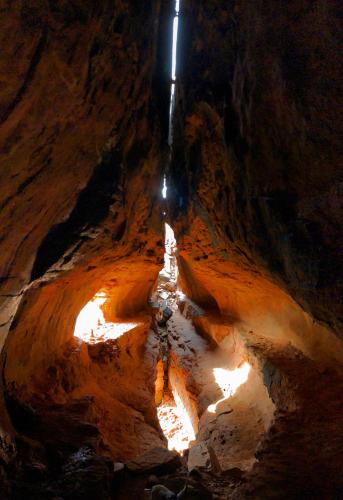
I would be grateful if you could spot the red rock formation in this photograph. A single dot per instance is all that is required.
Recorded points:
(79, 205)
(257, 157)
(75, 99)
(256, 205)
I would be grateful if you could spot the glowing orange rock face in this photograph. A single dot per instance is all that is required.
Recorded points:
(112, 363)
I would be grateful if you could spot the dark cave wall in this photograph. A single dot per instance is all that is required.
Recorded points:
(76, 125)
(257, 154)
(80, 184)
(256, 208)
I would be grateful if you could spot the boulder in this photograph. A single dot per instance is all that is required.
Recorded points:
(158, 460)
(160, 492)
(118, 469)
(199, 457)
(163, 315)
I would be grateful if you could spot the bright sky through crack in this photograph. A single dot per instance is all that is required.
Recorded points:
(172, 87)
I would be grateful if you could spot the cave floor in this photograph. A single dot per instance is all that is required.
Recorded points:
(295, 459)
(256, 450)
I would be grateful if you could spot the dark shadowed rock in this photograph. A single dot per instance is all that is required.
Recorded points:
(158, 460)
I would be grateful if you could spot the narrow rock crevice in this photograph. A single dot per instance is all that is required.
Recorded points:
(92, 206)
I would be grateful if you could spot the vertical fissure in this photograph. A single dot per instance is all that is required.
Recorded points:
(172, 399)
(173, 71)
(172, 95)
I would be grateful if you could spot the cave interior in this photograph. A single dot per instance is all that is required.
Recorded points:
(171, 272)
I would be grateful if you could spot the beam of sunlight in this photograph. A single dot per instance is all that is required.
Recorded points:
(91, 326)
(183, 415)
(90, 316)
(170, 241)
(175, 36)
(165, 293)
(164, 189)
(229, 381)
(175, 423)
(173, 70)
(170, 267)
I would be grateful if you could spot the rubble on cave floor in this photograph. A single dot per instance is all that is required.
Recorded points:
(166, 292)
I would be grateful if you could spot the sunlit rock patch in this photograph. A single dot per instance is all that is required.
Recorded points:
(91, 326)
(175, 424)
(229, 381)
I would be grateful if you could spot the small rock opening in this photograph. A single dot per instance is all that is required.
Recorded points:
(92, 325)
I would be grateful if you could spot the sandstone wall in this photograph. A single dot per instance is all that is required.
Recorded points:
(257, 163)
(80, 140)
(76, 125)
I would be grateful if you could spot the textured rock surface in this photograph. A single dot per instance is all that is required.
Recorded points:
(114, 378)
(222, 391)
(155, 460)
(80, 141)
(75, 99)
(256, 204)
(258, 158)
